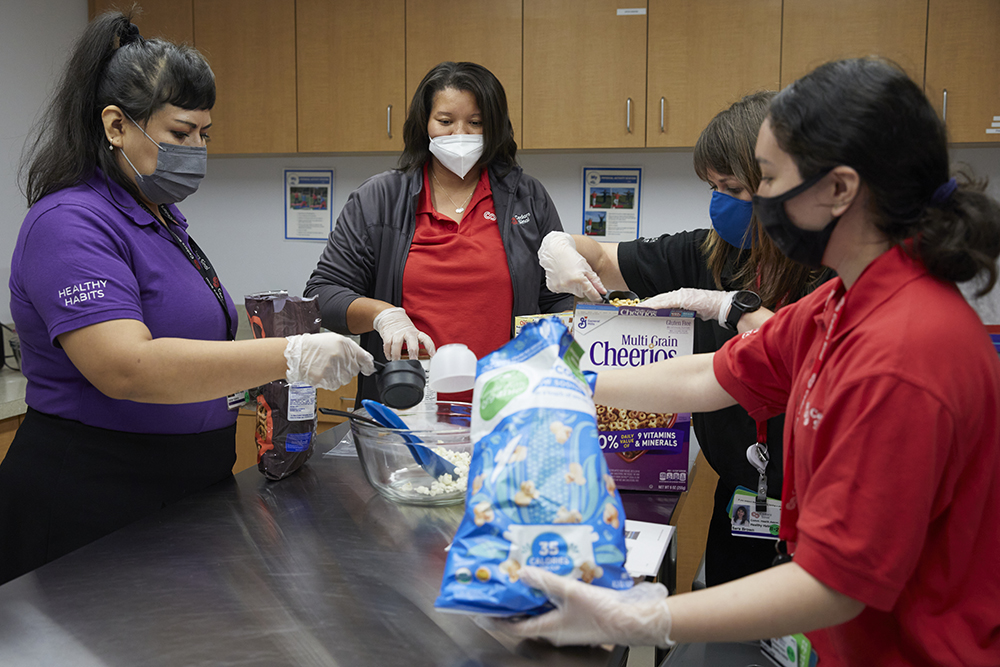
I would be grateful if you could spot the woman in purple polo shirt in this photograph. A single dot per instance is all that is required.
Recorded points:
(127, 335)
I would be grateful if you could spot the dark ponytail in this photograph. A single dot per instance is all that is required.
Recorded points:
(866, 113)
(111, 64)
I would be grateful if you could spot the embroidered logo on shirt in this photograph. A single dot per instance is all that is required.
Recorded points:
(811, 416)
(522, 219)
(85, 291)
(490, 215)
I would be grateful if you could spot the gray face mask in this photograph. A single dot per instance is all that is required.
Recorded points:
(179, 170)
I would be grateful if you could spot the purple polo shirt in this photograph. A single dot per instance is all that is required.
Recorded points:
(88, 254)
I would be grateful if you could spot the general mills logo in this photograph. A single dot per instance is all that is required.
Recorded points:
(582, 324)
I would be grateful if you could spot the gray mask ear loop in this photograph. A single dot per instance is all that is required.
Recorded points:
(158, 147)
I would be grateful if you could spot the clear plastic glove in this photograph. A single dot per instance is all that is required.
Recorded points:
(709, 304)
(325, 360)
(586, 614)
(395, 327)
(566, 271)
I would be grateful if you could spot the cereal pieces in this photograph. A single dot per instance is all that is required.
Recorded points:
(527, 493)
(560, 431)
(611, 515)
(520, 453)
(477, 483)
(620, 419)
(483, 513)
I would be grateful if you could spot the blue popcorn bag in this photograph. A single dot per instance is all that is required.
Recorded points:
(539, 490)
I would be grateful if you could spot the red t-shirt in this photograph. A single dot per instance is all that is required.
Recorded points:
(892, 466)
(456, 282)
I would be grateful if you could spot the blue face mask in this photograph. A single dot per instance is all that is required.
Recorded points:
(731, 219)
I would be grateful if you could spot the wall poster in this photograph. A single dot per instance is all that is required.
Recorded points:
(611, 197)
(308, 204)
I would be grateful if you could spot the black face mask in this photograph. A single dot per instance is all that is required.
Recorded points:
(801, 245)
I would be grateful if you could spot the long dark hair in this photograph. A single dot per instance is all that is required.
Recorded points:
(499, 147)
(726, 146)
(110, 64)
(867, 114)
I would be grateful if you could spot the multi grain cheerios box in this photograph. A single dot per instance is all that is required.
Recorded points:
(644, 451)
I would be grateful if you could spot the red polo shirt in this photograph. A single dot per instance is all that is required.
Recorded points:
(892, 464)
(456, 282)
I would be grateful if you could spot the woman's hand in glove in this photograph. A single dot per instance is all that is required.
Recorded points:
(566, 270)
(587, 614)
(395, 327)
(709, 304)
(325, 360)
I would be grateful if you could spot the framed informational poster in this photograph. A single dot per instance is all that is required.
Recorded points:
(611, 197)
(308, 204)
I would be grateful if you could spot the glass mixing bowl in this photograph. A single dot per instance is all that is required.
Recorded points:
(390, 467)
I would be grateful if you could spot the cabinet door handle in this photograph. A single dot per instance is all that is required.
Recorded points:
(628, 115)
(944, 106)
(661, 114)
(388, 121)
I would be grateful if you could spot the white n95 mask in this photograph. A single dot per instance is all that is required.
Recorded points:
(458, 152)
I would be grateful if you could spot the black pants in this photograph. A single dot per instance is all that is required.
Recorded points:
(728, 557)
(64, 484)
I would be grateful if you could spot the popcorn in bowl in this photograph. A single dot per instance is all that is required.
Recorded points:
(390, 467)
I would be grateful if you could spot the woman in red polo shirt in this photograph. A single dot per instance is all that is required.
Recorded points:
(444, 248)
(890, 384)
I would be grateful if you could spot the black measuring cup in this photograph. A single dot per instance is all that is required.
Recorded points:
(400, 383)
(618, 294)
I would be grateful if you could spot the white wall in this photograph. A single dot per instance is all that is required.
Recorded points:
(35, 37)
(237, 216)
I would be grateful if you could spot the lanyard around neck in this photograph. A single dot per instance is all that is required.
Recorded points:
(200, 262)
(821, 356)
(789, 502)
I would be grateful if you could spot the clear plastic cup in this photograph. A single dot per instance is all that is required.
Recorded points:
(453, 369)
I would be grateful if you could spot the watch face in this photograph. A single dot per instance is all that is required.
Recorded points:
(748, 301)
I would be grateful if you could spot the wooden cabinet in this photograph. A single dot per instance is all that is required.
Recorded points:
(172, 20)
(584, 74)
(487, 32)
(816, 31)
(351, 58)
(250, 45)
(963, 48)
(703, 56)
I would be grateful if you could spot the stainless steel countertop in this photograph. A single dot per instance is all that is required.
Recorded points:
(316, 569)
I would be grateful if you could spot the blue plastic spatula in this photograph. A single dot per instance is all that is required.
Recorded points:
(431, 462)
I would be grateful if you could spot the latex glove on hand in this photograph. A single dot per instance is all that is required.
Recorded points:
(395, 327)
(566, 271)
(592, 615)
(709, 304)
(325, 360)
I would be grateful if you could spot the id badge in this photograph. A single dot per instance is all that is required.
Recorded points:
(237, 400)
(747, 521)
(790, 651)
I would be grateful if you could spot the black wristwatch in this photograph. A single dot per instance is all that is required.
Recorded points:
(744, 302)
